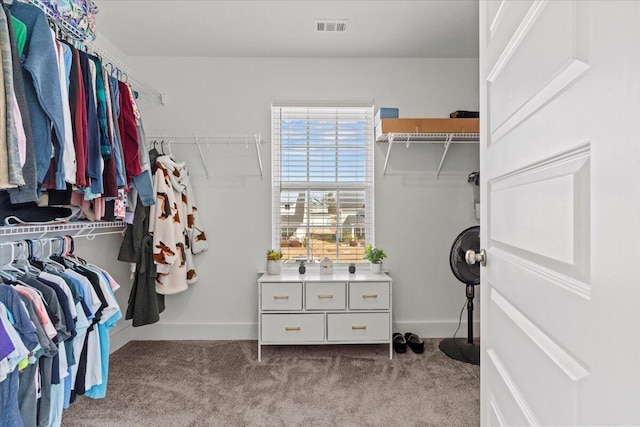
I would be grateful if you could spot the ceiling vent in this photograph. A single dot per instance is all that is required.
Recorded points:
(331, 25)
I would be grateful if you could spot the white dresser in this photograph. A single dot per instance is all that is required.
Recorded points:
(311, 308)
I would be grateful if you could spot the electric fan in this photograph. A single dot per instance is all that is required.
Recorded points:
(460, 349)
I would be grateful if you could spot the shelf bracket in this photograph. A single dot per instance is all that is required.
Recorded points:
(258, 141)
(447, 144)
(386, 160)
(204, 164)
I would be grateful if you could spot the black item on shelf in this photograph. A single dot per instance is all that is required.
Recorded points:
(29, 212)
(468, 350)
(461, 114)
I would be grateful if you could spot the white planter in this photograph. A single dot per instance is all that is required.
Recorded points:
(376, 268)
(274, 267)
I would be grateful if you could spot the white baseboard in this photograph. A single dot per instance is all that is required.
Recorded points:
(196, 331)
(249, 331)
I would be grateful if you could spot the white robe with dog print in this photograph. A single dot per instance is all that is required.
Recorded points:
(175, 226)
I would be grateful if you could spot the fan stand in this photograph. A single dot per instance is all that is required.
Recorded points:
(458, 348)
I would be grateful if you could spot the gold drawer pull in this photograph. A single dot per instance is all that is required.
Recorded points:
(281, 297)
(292, 328)
(325, 296)
(369, 295)
(358, 327)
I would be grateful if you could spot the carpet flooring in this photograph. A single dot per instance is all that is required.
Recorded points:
(221, 383)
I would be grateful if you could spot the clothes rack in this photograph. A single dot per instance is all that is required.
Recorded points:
(71, 32)
(42, 243)
(82, 229)
(69, 29)
(212, 139)
(129, 76)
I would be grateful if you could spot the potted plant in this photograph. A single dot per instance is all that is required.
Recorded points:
(375, 257)
(352, 268)
(301, 267)
(274, 265)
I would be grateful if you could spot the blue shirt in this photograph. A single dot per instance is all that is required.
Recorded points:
(100, 391)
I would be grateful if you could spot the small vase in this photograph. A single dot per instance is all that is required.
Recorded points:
(376, 268)
(352, 269)
(302, 269)
(274, 267)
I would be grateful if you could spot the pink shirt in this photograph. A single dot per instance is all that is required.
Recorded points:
(112, 283)
(41, 311)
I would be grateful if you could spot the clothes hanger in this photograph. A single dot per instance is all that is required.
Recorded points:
(61, 256)
(170, 154)
(34, 258)
(67, 254)
(57, 255)
(9, 267)
(17, 267)
(50, 263)
(70, 256)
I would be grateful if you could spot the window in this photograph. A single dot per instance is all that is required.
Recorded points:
(322, 182)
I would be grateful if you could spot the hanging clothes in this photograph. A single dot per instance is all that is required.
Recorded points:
(175, 225)
(17, 37)
(61, 312)
(128, 132)
(78, 109)
(70, 133)
(43, 91)
(11, 136)
(69, 155)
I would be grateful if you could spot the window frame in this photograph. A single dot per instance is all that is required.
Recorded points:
(279, 186)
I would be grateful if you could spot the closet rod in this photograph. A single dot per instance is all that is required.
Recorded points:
(136, 81)
(213, 139)
(253, 138)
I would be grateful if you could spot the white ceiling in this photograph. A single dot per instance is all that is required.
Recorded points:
(286, 28)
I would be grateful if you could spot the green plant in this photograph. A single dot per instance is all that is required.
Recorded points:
(302, 263)
(273, 255)
(374, 255)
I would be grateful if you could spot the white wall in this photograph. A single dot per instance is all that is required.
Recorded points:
(417, 215)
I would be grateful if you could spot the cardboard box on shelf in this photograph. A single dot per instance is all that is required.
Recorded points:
(387, 126)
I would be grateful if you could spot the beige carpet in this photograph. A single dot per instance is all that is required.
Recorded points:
(220, 383)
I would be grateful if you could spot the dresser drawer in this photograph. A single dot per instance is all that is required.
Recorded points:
(369, 295)
(282, 296)
(358, 326)
(326, 295)
(292, 327)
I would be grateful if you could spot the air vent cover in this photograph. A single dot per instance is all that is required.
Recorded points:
(331, 25)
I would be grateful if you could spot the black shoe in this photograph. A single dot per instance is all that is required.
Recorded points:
(415, 342)
(399, 343)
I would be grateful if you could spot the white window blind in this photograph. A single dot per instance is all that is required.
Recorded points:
(322, 182)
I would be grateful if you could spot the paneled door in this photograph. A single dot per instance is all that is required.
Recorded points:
(560, 191)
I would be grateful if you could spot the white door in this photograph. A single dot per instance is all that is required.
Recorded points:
(560, 170)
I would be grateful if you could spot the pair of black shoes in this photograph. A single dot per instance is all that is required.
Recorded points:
(400, 342)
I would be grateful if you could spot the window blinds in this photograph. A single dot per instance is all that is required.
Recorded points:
(322, 169)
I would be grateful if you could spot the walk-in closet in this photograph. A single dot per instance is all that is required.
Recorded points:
(318, 212)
